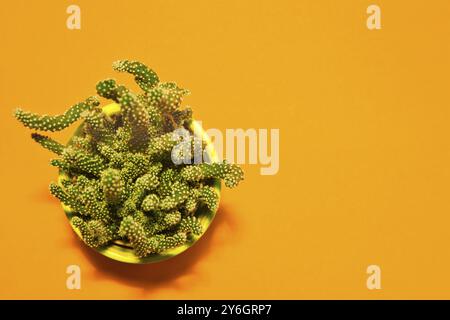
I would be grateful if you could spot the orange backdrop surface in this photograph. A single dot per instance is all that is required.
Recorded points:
(364, 151)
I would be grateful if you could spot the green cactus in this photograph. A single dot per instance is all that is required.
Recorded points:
(229, 173)
(191, 225)
(94, 232)
(144, 77)
(112, 185)
(55, 123)
(121, 181)
(48, 143)
(151, 202)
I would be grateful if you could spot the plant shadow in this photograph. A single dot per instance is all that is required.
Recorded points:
(165, 274)
(44, 196)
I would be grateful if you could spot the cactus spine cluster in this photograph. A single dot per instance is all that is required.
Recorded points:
(122, 183)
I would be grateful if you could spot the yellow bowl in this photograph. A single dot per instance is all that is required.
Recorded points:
(122, 251)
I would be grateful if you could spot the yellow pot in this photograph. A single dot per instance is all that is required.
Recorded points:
(122, 251)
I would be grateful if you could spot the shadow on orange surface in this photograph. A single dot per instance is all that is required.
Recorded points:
(44, 196)
(165, 274)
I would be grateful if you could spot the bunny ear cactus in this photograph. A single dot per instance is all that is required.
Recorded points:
(121, 181)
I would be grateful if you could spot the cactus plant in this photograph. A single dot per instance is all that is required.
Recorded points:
(121, 182)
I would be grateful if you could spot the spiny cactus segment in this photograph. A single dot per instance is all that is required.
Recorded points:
(121, 182)
(58, 122)
(48, 143)
(144, 77)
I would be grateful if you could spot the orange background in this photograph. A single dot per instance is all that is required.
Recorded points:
(364, 153)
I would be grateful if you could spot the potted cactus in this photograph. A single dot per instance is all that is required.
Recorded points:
(122, 186)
